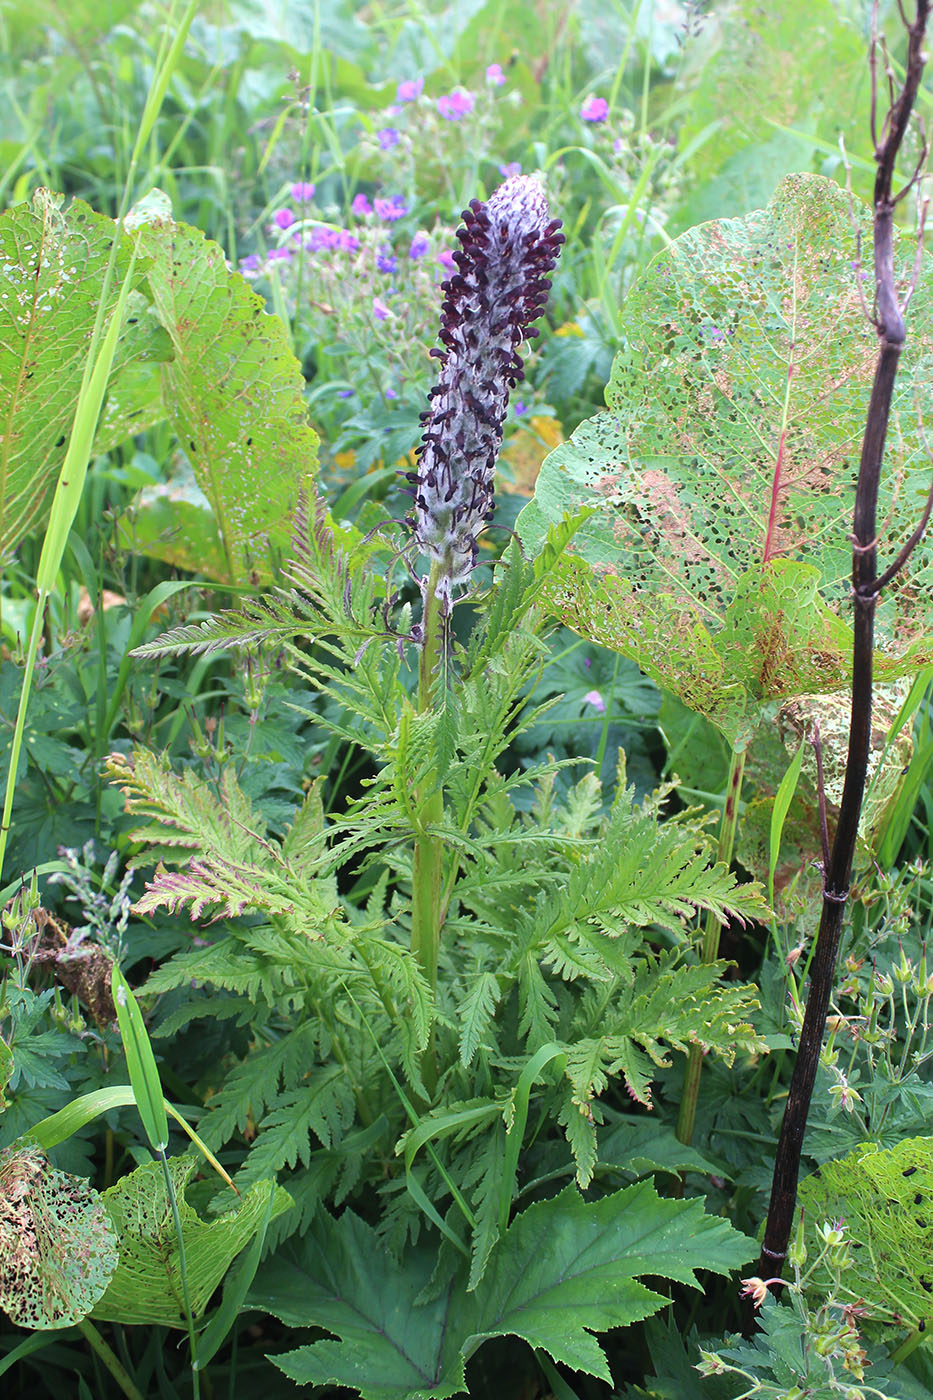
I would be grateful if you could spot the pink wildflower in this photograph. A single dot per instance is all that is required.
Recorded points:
(594, 109)
(410, 90)
(454, 105)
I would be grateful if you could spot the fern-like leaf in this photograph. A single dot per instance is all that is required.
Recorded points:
(476, 1012)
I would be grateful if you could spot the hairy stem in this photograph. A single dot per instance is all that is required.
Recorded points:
(837, 877)
(710, 949)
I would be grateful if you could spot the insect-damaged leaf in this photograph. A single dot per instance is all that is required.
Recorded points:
(58, 1249)
(885, 1198)
(146, 1285)
(234, 392)
(52, 266)
(722, 475)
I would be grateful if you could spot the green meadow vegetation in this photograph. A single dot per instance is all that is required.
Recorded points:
(466, 662)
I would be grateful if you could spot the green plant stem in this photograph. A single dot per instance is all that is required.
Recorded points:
(908, 1345)
(110, 1359)
(710, 949)
(428, 860)
(182, 1273)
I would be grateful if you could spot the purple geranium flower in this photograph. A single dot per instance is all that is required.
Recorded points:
(446, 258)
(454, 105)
(361, 206)
(302, 193)
(388, 137)
(348, 241)
(494, 75)
(419, 245)
(284, 218)
(322, 238)
(391, 394)
(345, 393)
(593, 697)
(385, 262)
(250, 264)
(391, 209)
(380, 310)
(410, 90)
(278, 254)
(513, 167)
(595, 109)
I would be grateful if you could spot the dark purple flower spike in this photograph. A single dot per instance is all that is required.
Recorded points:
(508, 246)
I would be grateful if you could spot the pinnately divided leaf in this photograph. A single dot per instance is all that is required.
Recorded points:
(564, 1269)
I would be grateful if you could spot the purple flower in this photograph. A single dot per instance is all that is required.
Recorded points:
(508, 246)
(380, 310)
(385, 262)
(454, 105)
(391, 209)
(284, 218)
(594, 109)
(361, 206)
(593, 697)
(323, 238)
(348, 241)
(520, 408)
(250, 264)
(302, 193)
(278, 254)
(419, 245)
(388, 137)
(514, 167)
(345, 393)
(391, 394)
(410, 90)
(494, 75)
(446, 258)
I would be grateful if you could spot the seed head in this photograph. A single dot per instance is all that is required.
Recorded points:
(508, 246)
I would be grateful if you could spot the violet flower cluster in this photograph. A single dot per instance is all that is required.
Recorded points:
(509, 245)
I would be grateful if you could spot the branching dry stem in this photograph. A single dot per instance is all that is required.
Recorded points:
(866, 583)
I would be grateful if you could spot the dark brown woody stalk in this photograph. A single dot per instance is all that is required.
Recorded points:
(889, 323)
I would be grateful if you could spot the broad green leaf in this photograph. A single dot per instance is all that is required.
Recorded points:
(134, 403)
(173, 521)
(58, 1250)
(884, 1196)
(641, 1145)
(341, 1278)
(797, 78)
(564, 1269)
(146, 1287)
(52, 264)
(780, 838)
(722, 475)
(234, 394)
